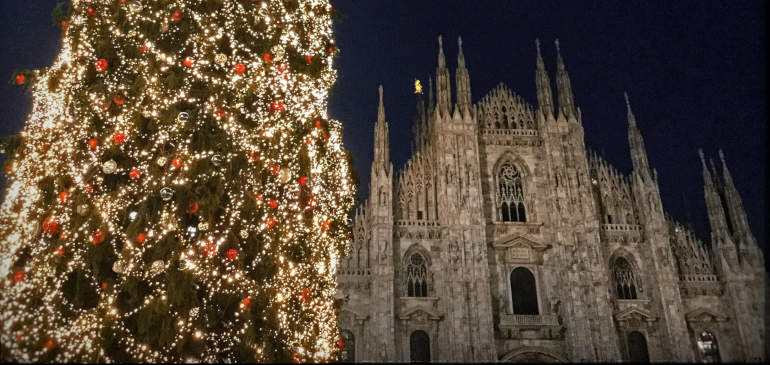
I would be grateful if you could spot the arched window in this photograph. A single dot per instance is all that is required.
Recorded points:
(416, 276)
(349, 351)
(510, 195)
(625, 281)
(419, 347)
(708, 347)
(523, 292)
(637, 347)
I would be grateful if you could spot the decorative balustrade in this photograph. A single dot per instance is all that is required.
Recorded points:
(621, 227)
(528, 320)
(510, 132)
(417, 223)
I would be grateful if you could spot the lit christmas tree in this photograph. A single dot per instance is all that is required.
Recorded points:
(178, 192)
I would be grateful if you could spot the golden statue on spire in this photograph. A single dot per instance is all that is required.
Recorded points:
(417, 87)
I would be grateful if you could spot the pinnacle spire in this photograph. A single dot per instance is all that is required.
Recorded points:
(381, 109)
(725, 172)
(631, 117)
(564, 87)
(543, 84)
(460, 55)
(441, 59)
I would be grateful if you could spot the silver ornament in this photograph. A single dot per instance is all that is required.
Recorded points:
(284, 175)
(166, 193)
(117, 267)
(161, 161)
(135, 6)
(82, 209)
(220, 59)
(182, 117)
(278, 53)
(109, 167)
(244, 234)
(157, 267)
(216, 160)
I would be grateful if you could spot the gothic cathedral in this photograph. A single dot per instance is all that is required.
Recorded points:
(504, 238)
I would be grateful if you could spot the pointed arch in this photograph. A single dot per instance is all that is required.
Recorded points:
(510, 174)
(415, 272)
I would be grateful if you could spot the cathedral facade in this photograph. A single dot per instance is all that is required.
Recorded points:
(504, 238)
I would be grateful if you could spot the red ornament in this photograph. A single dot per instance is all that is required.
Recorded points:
(275, 169)
(91, 12)
(273, 204)
(192, 208)
(118, 100)
(308, 59)
(209, 250)
(64, 197)
(282, 67)
(306, 297)
(119, 138)
(18, 336)
(64, 25)
(302, 180)
(19, 276)
(97, 238)
(240, 68)
(341, 344)
(331, 49)
(50, 345)
(245, 303)
(311, 202)
(318, 124)
(51, 225)
(176, 162)
(144, 48)
(258, 196)
(20, 79)
(270, 222)
(104, 285)
(325, 136)
(187, 62)
(101, 65)
(232, 254)
(276, 106)
(325, 226)
(254, 156)
(60, 251)
(93, 143)
(90, 189)
(177, 16)
(141, 237)
(134, 173)
(267, 57)
(220, 112)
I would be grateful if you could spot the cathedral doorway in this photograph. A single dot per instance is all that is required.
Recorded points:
(523, 292)
(419, 347)
(708, 347)
(637, 347)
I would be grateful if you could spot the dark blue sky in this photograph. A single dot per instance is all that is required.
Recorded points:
(695, 71)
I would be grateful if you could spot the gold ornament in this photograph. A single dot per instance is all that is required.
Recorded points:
(284, 175)
(82, 209)
(109, 167)
(161, 161)
(182, 117)
(244, 234)
(221, 59)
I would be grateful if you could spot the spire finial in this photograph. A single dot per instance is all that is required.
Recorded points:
(556, 42)
(460, 42)
(460, 55)
(381, 108)
(702, 159)
(441, 60)
(537, 46)
(628, 103)
(721, 155)
(440, 45)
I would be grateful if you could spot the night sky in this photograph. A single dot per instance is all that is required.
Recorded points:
(695, 72)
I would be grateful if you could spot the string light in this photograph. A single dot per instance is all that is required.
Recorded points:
(118, 128)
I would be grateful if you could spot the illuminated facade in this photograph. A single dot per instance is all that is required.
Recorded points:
(504, 238)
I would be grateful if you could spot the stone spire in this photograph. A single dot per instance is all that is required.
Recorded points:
(636, 144)
(381, 161)
(462, 81)
(714, 207)
(564, 87)
(543, 83)
(443, 92)
(733, 202)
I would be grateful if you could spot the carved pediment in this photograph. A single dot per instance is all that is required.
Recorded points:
(420, 314)
(521, 249)
(634, 312)
(347, 312)
(704, 315)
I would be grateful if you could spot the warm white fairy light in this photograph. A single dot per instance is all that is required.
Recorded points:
(268, 114)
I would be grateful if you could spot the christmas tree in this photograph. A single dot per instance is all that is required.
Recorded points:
(178, 192)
